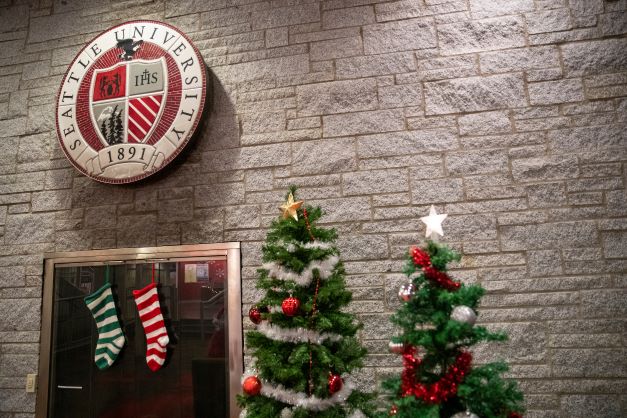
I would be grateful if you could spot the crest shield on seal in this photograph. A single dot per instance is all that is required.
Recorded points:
(127, 99)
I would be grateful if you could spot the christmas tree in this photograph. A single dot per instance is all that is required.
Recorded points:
(304, 345)
(437, 319)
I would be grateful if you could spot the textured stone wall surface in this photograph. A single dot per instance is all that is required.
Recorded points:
(509, 115)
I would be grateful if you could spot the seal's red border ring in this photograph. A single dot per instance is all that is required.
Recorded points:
(183, 143)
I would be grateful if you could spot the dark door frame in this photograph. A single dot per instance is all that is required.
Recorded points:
(147, 254)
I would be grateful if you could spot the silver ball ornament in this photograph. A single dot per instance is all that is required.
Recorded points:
(406, 292)
(465, 414)
(396, 348)
(464, 314)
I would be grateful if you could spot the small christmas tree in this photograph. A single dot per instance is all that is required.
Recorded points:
(119, 128)
(304, 345)
(111, 138)
(437, 320)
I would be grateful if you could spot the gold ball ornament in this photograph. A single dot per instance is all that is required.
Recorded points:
(393, 411)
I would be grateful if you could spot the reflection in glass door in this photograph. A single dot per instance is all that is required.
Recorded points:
(194, 380)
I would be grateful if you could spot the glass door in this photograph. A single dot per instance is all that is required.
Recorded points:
(196, 378)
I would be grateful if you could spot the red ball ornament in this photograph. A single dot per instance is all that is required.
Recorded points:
(393, 410)
(290, 306)
(514, 415)
(335, 383)
(252, 386)
(255, 315)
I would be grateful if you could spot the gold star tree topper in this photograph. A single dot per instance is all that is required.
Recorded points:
(290, 207)
(434, 223)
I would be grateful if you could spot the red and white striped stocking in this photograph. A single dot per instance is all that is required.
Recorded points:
(157, 339)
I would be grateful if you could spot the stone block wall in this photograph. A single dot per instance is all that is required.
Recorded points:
(509, 115)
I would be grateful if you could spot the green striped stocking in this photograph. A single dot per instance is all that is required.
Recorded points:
(110, 336)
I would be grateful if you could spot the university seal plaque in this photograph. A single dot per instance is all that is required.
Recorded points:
(130, 101)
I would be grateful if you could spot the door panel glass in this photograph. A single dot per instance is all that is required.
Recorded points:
(193, 381)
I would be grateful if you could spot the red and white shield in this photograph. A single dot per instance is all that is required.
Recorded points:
(127, 99)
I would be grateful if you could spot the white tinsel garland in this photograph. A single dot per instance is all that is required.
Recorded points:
(295, 335)
(275, 308)
(324, 267)
(293, 246)
(300, 399)
(289, 413)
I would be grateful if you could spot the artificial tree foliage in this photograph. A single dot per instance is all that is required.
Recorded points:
(299, 368)
(435, 339)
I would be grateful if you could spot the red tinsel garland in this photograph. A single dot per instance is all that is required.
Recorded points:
(441, 279)
(421, 257)
(436, 392)
(423, 260)
(408, 376)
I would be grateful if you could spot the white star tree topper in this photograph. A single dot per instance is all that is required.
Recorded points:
(434, 223)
